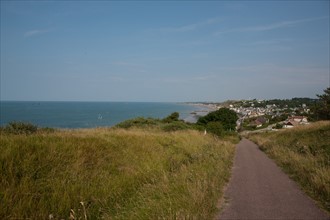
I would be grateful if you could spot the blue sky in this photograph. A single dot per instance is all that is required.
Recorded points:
(163, 51)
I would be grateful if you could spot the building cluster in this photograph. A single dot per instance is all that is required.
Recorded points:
(259, 116)
(294, 121)
(263, 113)
(252, 112)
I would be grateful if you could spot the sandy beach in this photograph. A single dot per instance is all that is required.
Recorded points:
(204, 110)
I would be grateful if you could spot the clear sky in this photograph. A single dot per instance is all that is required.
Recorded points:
(163, 51)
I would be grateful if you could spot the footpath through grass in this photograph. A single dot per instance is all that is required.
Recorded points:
(303, 153)
(113, 174)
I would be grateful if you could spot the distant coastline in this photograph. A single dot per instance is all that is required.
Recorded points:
(58, 114)
(203, 109)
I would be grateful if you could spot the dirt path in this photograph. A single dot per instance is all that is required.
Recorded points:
(258, 189)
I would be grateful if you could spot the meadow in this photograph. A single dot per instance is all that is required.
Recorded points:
(113, 173)
(304, 154)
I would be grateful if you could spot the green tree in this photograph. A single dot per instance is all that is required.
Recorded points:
(172, 117)
(226, 116)
(323, 110)
(216, 128)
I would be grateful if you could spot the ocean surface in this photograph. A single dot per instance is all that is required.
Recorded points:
(89, 114)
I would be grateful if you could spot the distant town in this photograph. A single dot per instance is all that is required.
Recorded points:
(268, 114)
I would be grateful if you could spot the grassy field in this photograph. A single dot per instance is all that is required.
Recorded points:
(113, 173)
(303, 153)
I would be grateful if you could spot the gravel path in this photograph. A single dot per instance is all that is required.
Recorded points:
(258, 189)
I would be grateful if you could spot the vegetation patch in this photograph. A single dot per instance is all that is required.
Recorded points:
(303, 153)
(220, 122)
(169, 124)
(139, 122)
(113, 173)
(20, 128)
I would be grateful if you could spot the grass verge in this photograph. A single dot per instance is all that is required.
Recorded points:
(304, 154)
(113, 174)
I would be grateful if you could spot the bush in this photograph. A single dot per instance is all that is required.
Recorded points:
(215, 128)
(196, 127)
(138, 122)
(278, 126)
(226, 116)
(20, 128)
(172, 117)
(175, 126)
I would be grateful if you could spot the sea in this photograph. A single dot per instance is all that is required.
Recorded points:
(90, 114)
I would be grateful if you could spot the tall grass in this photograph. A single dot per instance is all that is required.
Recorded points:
(113, 174)
(304, 153)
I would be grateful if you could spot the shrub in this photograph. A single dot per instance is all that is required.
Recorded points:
(20, 128)
(196, 127)
(175, 126)
(226, 116)
(172, 117)
(138, 122)
(216, 128)
(278, 126)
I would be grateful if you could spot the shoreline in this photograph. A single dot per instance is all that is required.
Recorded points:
(204, 110)
(102, 114)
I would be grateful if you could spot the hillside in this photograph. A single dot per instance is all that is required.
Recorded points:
(113, 173)
(304, 154)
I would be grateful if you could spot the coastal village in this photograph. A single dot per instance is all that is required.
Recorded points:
(267, 114)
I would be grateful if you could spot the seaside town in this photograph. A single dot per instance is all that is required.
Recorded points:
(266, 114)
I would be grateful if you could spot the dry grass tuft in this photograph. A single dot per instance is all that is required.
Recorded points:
(117, 173)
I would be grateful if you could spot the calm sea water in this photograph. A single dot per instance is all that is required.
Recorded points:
(87, 114)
